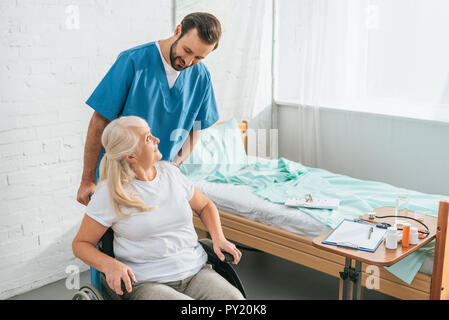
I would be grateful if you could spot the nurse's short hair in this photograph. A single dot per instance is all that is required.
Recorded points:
(207, 25)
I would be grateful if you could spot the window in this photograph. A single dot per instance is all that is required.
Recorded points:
(389, 56)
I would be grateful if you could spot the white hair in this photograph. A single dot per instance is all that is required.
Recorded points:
(119, 140)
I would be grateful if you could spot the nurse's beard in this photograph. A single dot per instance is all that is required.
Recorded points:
(173, 57)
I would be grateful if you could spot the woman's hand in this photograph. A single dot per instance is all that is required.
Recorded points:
(224, 245)
(208, 214)
(117, 272)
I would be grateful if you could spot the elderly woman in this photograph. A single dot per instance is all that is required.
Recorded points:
(148, 203)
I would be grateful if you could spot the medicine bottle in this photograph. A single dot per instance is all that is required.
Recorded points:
(391, 241)
(413, 235)
(405, 235)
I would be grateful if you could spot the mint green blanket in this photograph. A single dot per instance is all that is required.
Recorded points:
(278, 180)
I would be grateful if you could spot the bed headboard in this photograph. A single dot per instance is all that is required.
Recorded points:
(243, 126)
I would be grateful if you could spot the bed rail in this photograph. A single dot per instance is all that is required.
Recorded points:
(440, 275)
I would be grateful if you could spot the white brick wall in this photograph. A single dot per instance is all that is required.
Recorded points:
(47, 71)
(50, 62)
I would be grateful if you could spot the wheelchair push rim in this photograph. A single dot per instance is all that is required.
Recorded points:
(88, 292)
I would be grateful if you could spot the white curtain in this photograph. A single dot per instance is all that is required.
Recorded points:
(332, 45)
(241, 66)
(311, 57)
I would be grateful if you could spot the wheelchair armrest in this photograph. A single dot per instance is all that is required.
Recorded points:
(209, 248)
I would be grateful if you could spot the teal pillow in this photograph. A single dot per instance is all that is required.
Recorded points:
(219, 150)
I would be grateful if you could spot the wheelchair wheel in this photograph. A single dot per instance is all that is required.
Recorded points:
(88, 292)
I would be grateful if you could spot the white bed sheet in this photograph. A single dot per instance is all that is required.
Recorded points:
(240, 200)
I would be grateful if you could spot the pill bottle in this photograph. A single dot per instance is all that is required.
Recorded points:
(405, 235)
(391, 241)
(413, 235)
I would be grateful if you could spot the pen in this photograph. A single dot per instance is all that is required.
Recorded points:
(369, 232)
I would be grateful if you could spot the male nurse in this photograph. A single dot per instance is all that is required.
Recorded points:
(163, 82)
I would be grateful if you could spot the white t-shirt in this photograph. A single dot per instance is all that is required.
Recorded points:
(171, 73)
(159, 245)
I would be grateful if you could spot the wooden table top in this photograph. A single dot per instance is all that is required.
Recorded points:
(382, 256)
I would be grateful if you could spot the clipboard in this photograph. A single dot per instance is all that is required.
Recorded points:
(356, 235)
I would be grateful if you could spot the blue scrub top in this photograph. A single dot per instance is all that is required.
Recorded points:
(137, 85)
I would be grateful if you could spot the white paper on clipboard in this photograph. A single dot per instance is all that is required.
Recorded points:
(356, 234)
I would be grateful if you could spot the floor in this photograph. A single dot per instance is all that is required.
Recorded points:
(264, 277)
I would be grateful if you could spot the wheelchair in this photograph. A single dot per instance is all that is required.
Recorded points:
(98, 289)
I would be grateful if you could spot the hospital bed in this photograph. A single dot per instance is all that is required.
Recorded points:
(287, 233)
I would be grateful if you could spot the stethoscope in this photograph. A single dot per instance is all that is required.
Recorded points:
(384, 225)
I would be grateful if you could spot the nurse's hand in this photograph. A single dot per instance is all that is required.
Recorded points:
(85, 190)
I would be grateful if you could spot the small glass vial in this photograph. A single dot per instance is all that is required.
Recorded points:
(419, 216)
(391, 241)
(413, 235)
